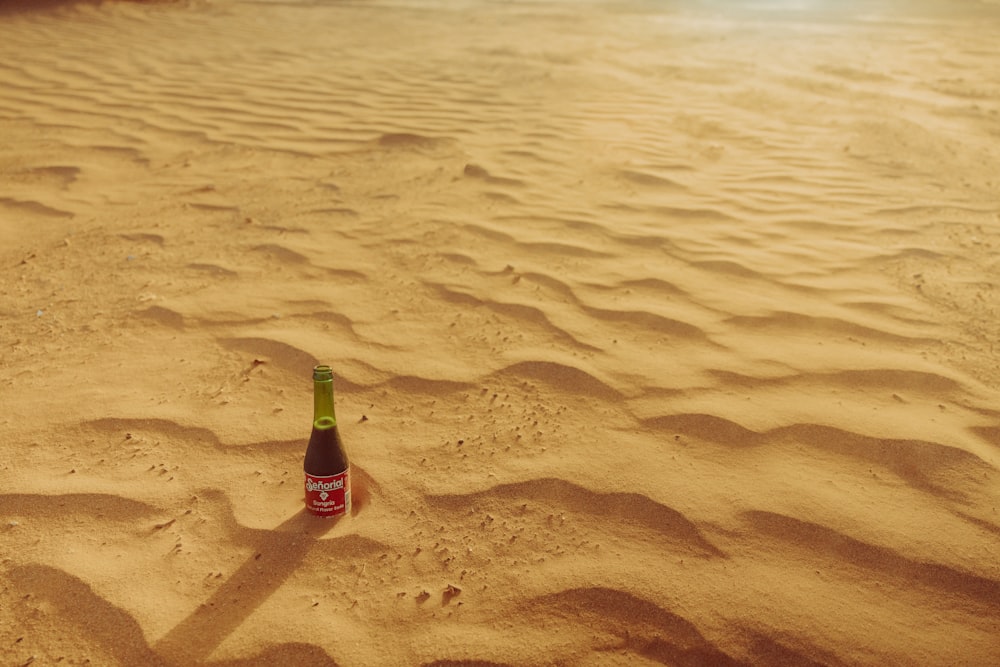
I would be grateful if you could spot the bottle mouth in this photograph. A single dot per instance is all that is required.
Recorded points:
(322, 373)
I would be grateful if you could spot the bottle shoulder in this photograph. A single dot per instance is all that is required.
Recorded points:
(325, 454)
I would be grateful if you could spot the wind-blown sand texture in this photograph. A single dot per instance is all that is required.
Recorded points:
(664, 332)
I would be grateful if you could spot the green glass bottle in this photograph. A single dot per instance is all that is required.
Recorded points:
(327, 469)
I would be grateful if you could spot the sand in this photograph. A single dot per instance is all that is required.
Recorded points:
(664, 332)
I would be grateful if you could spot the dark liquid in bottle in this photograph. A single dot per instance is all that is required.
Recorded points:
(325, 454)
(328, 481)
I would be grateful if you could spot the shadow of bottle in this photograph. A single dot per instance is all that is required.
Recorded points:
(278, 552)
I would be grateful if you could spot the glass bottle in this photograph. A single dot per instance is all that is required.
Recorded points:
(327, 470)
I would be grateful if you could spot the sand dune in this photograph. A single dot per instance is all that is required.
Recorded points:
(663, 332)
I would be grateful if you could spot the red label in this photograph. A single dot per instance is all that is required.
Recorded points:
(328, 496)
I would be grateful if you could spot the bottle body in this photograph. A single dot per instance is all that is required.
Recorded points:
(326, 466)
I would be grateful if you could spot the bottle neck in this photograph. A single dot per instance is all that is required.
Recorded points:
(323, 415)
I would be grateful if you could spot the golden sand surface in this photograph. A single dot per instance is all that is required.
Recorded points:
(664, 332)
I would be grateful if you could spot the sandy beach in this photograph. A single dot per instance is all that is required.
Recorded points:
(664, 332)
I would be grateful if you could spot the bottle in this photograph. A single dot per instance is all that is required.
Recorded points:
(327, 470)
